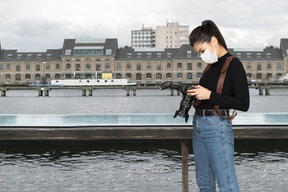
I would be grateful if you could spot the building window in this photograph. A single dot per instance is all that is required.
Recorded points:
(269, 76)
(37, 77)
(1, 67)
(158, 76)
(148, 76)
(169, 55)
(158, 66)
(259, 55)
(248, 55)
(189, 66)
(259, 76)
(179, 65)
(168, 65)
(138, 76)
(148, 65)
(269, 66)
(27, 76)
(168, 76)
(238, 54)
(97, 66)
(129, 55)
(189, 54)
(279, 66)
(107, 65)
(139, 55)
(138, 66)
(149, 55)
(9, 56)
(128, 76)
(199, 75)
(39, 56)
(19, 56)
(8, 67)
(47, 66)
(259, 66)
(48, 56)
(199, 65)
(7, 76)
(29, 56)
(17, 77)
(37, 67)
(57, 66)
(68, 66)
(27, 66)
(159, 55)
(108, 51)
(189, 75)
(17, 67)
(268, 55)
(57, 76)
(78, 67)
(179, 75)
(118, 66)
(118, 76)
(249, 66)
(88, 66)
(128, 66)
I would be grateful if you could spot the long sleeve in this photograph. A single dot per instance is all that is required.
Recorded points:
(238, 96)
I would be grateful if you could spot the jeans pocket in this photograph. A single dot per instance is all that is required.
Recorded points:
(212, 120)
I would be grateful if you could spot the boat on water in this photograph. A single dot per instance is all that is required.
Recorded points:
(92, 82)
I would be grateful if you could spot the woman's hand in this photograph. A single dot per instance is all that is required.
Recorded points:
(201, 93)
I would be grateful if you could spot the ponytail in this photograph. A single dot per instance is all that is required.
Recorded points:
(205, 32)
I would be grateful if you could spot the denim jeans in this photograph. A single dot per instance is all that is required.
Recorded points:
(213, 146)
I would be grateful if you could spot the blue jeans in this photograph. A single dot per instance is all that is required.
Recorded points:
(213, 146)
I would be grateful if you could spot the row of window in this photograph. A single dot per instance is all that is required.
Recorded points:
(258, 55)
(259, 66)
(29, 56)
(260, 76)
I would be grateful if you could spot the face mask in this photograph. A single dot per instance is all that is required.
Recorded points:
(209, 57)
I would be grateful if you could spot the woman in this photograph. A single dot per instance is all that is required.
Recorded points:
(213, 141)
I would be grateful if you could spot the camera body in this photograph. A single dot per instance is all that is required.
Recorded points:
(187, 100)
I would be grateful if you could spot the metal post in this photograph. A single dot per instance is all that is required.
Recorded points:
(127, 91)
(134, 92)
(83, 92)
(172, 92)
(184, 151)
(90, 92)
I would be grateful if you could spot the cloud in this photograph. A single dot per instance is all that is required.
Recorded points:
(46, 23)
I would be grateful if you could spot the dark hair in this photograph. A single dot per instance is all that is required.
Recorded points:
(204, 33)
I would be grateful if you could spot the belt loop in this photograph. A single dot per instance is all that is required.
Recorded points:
(203, 112)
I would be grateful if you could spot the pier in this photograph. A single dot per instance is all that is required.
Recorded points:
(130, 90)
(156, 127)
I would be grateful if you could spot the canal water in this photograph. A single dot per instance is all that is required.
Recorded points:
(127, 165)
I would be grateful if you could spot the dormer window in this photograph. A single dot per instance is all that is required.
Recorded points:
(129, 55)
(49, 56)
(9, 56)
(258, 55)
(268, 55)
(159, 54)
(248, 55)
(239, 55)
(189, 54)
(19, 56)
(29, 56)
(39, 56)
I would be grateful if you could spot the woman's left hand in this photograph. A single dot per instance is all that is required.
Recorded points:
(201, 93)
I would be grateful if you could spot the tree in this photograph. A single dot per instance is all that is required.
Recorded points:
(271, 47)
(125, 47)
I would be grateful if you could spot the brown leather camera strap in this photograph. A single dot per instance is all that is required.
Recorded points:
(220, 85)
(219, 88)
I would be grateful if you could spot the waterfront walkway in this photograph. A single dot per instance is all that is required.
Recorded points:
(136, 127)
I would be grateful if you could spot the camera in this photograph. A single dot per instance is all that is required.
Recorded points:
(187, 100)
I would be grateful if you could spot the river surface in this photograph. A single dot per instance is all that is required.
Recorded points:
(126, 166)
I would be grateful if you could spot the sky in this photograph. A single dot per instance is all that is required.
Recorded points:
(44, 24)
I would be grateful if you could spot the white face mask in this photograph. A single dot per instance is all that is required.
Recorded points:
(209, 57)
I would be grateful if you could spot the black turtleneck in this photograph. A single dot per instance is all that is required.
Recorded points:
(235, 93)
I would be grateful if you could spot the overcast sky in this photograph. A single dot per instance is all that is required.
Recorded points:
(41, 24)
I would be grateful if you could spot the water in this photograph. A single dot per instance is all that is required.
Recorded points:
(127, 165)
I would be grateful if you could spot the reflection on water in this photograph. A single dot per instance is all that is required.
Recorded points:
(130, 166)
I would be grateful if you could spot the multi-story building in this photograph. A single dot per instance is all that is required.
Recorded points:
(91, 58)
(172, 35)
(144, 38)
